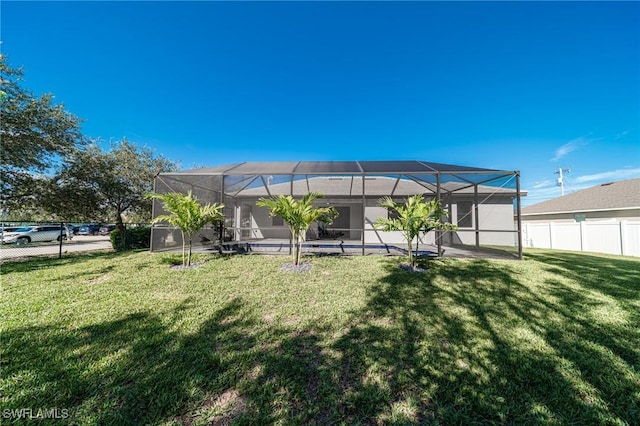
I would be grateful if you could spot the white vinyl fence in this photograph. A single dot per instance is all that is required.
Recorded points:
(601, 237)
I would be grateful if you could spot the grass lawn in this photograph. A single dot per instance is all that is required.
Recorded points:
(122, 339)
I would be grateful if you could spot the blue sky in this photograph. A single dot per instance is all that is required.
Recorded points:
(506, 85)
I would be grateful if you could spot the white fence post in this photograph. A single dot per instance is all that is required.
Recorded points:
(623, 228)
(550, 235)
(582, 236)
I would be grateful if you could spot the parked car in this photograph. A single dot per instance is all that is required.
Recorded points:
(89, 229)
(106, 229)
(32, 234)
(10, 228)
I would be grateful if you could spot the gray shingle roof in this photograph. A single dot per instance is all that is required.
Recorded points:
(608, 196)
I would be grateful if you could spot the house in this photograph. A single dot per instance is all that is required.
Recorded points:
(604, 218)
(607, 201)
(479, 201)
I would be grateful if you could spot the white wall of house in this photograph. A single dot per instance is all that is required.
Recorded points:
(495, 216)
(376, 236)
(262, 225)
(498, 216)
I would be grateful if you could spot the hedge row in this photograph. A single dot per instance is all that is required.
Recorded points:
(134, 238)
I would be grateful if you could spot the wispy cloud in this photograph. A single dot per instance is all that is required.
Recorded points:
(622, 134)
(613, 175)
(538, 195)
(541, 191)
(571, 146)
(543, 184)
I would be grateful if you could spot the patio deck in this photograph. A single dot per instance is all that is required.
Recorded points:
(345, 247)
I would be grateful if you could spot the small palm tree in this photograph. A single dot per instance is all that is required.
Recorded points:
(413, 217)
(298, 215)
(188, 214)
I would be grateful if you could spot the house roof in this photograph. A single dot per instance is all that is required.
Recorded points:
(345, 178)
(352, 186)
(620, 195)
(338, 167)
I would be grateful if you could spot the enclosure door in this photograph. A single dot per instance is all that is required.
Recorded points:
(245, 221)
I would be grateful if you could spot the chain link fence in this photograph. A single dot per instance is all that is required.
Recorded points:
(26, 239)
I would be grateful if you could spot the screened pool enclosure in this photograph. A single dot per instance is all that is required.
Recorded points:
(483, 203)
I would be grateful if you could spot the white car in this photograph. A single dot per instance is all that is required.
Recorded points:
(29, 234)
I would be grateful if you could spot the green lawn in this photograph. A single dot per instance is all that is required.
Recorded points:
(122, 339)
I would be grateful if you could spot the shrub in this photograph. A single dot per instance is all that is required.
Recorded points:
(188, 214)
(134, 238)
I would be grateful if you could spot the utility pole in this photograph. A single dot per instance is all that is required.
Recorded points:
(561, 179)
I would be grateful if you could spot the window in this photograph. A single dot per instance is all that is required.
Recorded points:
(465, 214)
(343, 221)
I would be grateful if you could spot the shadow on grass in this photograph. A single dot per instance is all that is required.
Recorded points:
(469, 343)
(136, 370)
(617, 277)
(35, 263)
(465, 343)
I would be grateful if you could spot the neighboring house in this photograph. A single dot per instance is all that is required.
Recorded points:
(604, 218)
(613, 201)
(479, 201)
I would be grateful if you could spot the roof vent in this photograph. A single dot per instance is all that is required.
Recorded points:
(607, 184)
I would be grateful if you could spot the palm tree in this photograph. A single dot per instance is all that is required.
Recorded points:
(298, 215)
(413, 217)
(188, 214)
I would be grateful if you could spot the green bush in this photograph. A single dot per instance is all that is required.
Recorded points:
(134, 238)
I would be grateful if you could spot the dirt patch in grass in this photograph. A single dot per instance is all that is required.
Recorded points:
(100, 279)
(232, 403)
(291, 320)
(192, 266)
(219, 411)
(405, 266)
(268, 318)
(301, 267)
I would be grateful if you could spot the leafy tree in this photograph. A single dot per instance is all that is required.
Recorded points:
(298, 215)
(97, 184)
(412, 218)
(188, 214)
(36, 136)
